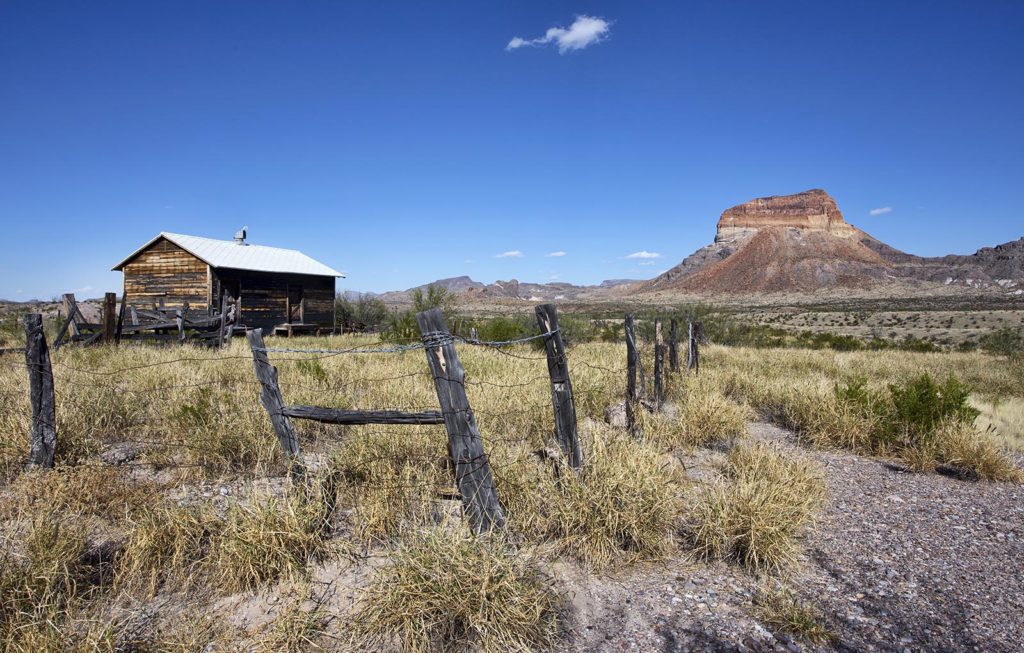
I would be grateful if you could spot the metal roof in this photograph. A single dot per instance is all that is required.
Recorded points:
(230, 254)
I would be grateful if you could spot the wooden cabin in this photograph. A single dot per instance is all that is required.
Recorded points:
(279, 290)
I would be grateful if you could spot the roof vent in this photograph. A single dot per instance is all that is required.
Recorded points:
(240, 235)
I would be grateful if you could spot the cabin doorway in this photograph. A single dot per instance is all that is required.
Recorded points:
(295, 304)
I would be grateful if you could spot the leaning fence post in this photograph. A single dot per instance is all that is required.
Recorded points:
(632, 400)
(673, 346)
(473, 474)
(43, 437)
(561, 386)
(273, 402)
(659, 365)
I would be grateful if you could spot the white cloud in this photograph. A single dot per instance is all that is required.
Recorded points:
(83, 289)
(584, 31)
(514, 253)
(647, 263)
(555, 254)
(644, 254)
(880, 211)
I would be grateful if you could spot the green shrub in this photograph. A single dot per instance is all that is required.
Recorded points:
(920, 404)
(1004, 342)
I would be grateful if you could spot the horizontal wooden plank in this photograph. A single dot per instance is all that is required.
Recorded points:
(360, 417)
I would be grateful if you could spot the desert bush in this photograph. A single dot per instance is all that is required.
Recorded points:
(1004, 342)
(755, 513)
(445, 589)
(363, 314)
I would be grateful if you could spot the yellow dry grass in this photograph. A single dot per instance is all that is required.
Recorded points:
(193, 416)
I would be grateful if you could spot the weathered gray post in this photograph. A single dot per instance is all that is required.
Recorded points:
(109, 321)
(673, 346)
(693, 355)
(273, 402)
(561, 386)
(632, 399)
(473, 474)
(659, 365)
(120, 318)
(223, 318)
(43, 437)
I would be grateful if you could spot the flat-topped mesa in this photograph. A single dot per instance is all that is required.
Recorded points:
(813, 210)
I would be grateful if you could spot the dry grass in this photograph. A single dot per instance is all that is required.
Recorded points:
(261, 541)
(194, 416)
(445, 590)
(756, 512)
(782, 611)
(622, 506)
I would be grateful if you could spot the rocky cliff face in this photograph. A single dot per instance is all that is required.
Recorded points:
(812, 210)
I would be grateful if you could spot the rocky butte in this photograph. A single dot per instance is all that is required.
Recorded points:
(801, 243)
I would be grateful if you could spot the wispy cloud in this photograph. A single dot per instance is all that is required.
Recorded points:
(584, 31)
(644, 254)
(514, 253)
(647, 263)
(83, 289)
(882, 210)
(555, 254)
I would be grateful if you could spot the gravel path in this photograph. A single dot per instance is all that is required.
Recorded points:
(898, 562)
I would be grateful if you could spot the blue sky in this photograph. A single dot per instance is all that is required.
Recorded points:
(405, 142)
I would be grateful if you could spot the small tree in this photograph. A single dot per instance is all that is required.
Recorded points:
(436, 297)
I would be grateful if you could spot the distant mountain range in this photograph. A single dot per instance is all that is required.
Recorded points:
(786, 244)
(512, 289)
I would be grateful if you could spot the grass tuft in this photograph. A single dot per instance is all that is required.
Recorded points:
(448, 590)
(755, 513)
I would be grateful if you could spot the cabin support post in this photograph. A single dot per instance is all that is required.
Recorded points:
(561, 387)
(43, 436)
(473, 475)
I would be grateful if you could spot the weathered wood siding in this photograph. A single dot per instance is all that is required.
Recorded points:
(166, 271)
(265, 296)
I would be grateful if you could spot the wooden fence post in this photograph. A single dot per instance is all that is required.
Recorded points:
(632, 399)
(120, 318)
(673, 346)
(473, 474)
(270, 397)
(43, 437)
(561, 386)
(109, 319)
(693, 354)
(223, 318)
(70, 309)
(659, 365)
